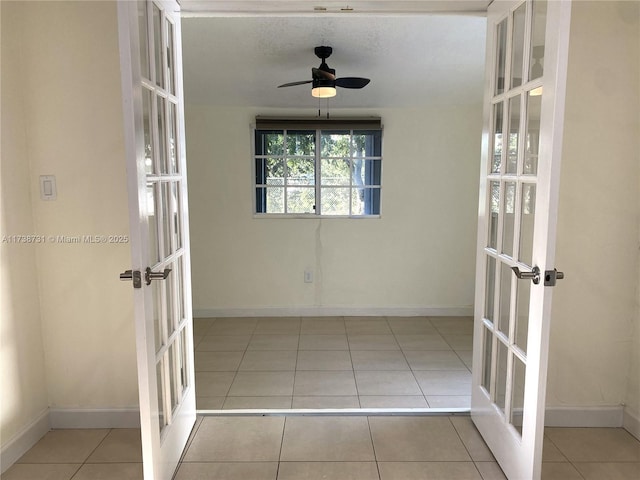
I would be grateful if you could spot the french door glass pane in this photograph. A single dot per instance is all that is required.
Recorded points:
(157, 43)
(148, 138)
(176, 227)
(169, 300)
(505, 298)
(513, 135)
(501, 375)
(490, 289)
(536, 62)
(171, 81)
(532, 147)
(527, 214)
(501, 55)
(496, 158)
(517, 45)
(162, 135)
(172, 130)
(494, 211)
(517, 393)
(162, 417)
(174, 364)
(143, 18)
(179, 279)
(508, 221)
(152, 219)
(184, 381)
(522, 314)
(487, 349)
(156, 293)
(166, 218)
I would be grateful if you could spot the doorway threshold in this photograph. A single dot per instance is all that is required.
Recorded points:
(293, 412)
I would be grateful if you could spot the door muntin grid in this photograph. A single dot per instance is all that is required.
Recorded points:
(511, 186)
(165, 192)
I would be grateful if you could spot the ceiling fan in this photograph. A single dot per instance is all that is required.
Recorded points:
(323, 78)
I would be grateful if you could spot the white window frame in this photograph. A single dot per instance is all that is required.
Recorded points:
(317, 186)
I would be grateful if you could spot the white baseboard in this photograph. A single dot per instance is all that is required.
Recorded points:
(631, 423)
(95, 418)
(336, 311)
(583, 416)
(22, 441)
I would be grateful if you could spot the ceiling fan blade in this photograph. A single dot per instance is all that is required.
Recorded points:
(352, 82)
(294, 83)
(316, 72)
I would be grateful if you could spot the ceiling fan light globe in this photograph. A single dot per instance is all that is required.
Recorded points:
(323, 92)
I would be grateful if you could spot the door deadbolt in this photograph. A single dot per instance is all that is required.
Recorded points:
(133, 275)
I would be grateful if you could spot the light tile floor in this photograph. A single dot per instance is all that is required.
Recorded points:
(333, 362)
(325, 447)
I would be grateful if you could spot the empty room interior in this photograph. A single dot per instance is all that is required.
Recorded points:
(309, 290)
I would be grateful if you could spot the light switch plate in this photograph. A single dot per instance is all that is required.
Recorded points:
(48, 190)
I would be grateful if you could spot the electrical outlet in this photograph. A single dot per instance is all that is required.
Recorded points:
(308, 276)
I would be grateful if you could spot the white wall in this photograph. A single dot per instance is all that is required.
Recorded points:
(70, 75)
(594, 350)
(417, 256)
(23, 388)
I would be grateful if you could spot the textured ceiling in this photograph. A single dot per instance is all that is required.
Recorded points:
(412, 60)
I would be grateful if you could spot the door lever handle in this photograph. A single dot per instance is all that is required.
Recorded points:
(151, 275)
(533, 275)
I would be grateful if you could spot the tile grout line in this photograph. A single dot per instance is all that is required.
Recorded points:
(373, 446)
(235, 375)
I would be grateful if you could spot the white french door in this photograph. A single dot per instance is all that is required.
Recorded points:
(527, 47)
(150, 52)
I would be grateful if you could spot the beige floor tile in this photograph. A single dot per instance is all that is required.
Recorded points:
(209, 403)
(217, 361)
(467, 357)
(44, 471)
(428, 471)
(472, 439)
(550, 452)
(324, 360)
(278, 326)
(366, 326)
(228, 471)
(314, 383)
(213, 384)
(372, 342)
(595, 444)
(434, 360)
(458, 341)
(455, 325)
(560, 471)
(262, 384)
(233, 326)
(449, 401)
(386, 383)
(121, 445)
(617, 471)
(393, 401)
(328, 401)
(322, 325)
(274, 342)
(406, 326)
(327, 439)
(234, 403)
(328, 470)
(378, 360)
(223, 343)
(416, 439)
(65, 446)
(490, 471)
(237, 439)
(110, 471)
(324, 342)
(202, 325)
(444, 382)
(269, 361)
(422, 342)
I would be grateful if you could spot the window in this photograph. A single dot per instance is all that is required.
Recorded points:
(334, 170)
